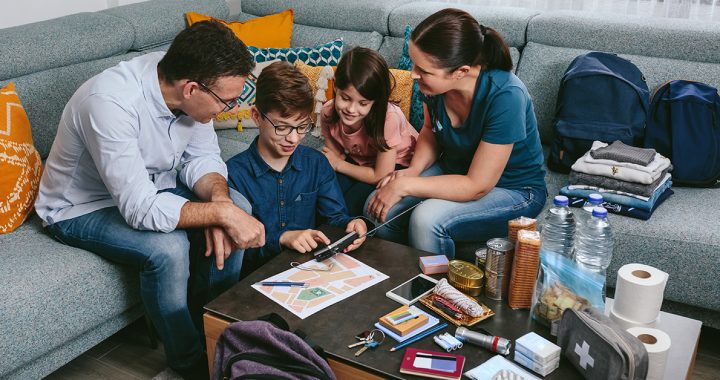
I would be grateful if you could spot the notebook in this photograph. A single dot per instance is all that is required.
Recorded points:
(437, 365)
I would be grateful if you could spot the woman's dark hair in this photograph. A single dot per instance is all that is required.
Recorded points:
(282, 88)
(367, 71)
(204, 52)
(453, 38)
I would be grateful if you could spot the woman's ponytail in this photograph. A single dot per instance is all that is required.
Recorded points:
(495, 53)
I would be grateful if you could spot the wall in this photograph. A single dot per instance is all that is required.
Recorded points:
(20, 12)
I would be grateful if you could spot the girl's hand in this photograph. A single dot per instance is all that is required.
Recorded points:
(385, 197)
(333, 157)
(394, 175)
(358, 226)
(303, 241)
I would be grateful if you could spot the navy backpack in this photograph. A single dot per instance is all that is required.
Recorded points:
(602, 97)
(684, 126)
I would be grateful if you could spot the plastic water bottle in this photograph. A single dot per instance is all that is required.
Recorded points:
(594, 242)
(583, 216)
(558, 229)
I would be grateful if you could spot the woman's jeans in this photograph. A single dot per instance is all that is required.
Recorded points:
(164, 261)
(436, 225)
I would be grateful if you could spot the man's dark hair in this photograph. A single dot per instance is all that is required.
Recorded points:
(282, 88)
(204, 52)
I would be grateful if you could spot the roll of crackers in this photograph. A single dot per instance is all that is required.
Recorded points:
(521, 223)
(525, 268)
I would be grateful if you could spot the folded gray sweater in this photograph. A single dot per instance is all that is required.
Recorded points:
(578, 178)
(618, 151)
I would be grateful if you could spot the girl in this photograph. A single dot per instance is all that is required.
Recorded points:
(478, 161)
(366, 137)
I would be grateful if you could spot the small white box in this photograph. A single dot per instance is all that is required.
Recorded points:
(535, 366)
(537, 348)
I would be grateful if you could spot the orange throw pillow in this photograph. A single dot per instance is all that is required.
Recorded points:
(20, 162)
(271, 31)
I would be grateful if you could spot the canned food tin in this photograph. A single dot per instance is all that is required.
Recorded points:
(498, 265)
(466, 274)
(480, 255)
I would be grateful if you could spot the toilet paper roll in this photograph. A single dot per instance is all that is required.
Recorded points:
(626, 323)
(639, 293)
(658, 344)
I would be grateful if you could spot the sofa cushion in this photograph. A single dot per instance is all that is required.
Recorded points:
(360, 16)
(62, 41)
(327, 54)
(273, 30)
(654, 37)
(45, 93)
(542, 68)
(681, 238)
(510, 22)
(158, 22)
(78, 291)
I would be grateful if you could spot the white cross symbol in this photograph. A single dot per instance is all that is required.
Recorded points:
(584, 354)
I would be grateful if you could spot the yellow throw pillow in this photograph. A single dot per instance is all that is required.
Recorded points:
(402, 92)
(271, 31)
(313, 74)
(20, 162)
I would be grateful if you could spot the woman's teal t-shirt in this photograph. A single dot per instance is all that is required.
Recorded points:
(502, 113)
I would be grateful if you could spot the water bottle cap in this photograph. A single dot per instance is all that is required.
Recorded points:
(599, 212)
(595, 198)
(561, 200)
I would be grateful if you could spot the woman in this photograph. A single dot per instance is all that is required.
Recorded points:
(478, 159)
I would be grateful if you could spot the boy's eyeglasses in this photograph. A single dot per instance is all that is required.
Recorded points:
(228, 105)
(284, 130)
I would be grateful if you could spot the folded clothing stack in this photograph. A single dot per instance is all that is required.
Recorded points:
(633, 181)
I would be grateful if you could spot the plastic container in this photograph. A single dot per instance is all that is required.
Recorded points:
(594, 242)
(558, 228)
(584, 215)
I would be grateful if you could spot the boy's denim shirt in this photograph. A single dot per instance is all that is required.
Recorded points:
(292, 199)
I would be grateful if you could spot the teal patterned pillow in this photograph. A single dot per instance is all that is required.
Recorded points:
(321, 55)
(416, 104)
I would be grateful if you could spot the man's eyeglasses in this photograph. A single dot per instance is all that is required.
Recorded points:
(228, 105)
(284, 130)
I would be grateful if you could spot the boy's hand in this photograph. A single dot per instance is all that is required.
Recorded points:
(333, 157)
(359, 227)
(303, 241)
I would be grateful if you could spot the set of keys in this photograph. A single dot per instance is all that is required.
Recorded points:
(367, 341)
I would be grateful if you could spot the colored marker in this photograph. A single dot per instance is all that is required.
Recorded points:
(420, 336)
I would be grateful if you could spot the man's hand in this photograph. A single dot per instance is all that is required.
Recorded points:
(244, 230)
(333, 157)
(218, 242)
(303, 241)
(360, 228)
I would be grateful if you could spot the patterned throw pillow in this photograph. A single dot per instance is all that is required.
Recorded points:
(20, 162)
(321, 55)
(241, 119)
(402, 93)
(416, 108)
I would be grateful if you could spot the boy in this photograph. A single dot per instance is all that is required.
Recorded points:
(285, 182)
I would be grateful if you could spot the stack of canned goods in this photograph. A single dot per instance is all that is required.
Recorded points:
(498, 266)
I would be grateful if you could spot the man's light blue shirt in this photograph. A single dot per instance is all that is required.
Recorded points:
(117, 144)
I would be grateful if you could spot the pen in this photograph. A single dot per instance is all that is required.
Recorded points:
(420, 336)
(282, 283)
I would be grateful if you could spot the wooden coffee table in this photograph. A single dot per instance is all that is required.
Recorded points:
(334, 327)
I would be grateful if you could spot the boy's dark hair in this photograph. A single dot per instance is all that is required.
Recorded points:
(367, 71)
(282, 88)
(204, 52)
(454, 38)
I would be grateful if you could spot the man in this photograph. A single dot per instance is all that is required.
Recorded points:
(288, 183)
(136, 162)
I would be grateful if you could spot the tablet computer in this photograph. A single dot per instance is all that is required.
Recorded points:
(412, 290)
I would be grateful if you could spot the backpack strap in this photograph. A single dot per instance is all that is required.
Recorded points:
(318, 350)
(276, 320)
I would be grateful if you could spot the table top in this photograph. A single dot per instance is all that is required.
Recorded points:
(334, 327)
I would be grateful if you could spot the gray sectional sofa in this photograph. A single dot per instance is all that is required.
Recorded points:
(58, 301)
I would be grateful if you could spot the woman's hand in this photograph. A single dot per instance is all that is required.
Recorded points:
(358, 226)
(394, 175)
(303, 241)
(333, 157)
(386, 197)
